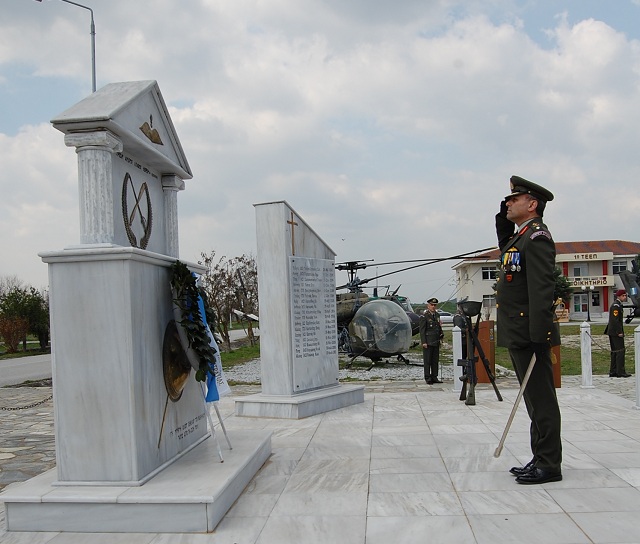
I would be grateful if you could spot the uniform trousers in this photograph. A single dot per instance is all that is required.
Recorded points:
(431, 358)
(542, 406)
(617, 355)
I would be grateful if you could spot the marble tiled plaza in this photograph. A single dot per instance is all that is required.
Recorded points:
(411, 464)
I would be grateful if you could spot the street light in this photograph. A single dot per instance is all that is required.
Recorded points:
(93, 42)
(590, 290)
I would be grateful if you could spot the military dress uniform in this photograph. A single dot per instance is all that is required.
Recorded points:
(431, 333)
(614, 329)
(525, 324)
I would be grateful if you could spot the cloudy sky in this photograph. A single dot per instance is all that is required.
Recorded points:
(391, 126)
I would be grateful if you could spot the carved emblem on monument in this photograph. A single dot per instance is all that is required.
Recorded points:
(141, 214)
(150, 132)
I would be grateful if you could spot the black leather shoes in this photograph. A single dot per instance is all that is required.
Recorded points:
(519, 471)
(625, 375)
(613, 375)
(437, 381)
(429, 382)
(539, 476)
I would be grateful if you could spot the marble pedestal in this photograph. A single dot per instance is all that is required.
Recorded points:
(298, 326)
(301, 405)
(191, 495)
(110, 306)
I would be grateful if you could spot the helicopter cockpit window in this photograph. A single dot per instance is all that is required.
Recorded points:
(381, 325)
(406, 305)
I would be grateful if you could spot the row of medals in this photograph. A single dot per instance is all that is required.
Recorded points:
(511, 261)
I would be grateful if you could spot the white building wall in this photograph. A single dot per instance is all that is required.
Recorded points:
(599, 287)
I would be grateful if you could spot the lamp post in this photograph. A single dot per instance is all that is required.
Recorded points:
(93, 42)
(588, 291)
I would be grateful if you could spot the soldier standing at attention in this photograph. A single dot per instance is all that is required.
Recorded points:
(615, 330)
(524, 301)
(431, 334)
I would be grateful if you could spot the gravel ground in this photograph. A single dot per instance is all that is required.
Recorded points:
(392, 370)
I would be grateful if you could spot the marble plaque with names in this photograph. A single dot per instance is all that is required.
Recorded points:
(313, 322)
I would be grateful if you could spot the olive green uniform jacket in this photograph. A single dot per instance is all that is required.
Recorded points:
(524, 296)
(614, 326)
(430, 328)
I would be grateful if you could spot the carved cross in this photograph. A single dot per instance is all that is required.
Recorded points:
(293, 238)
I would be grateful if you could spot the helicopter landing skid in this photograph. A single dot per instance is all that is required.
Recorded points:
(378, 360)
(400, 359)
(407, 361)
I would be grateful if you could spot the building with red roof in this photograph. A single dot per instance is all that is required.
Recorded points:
(590, 266)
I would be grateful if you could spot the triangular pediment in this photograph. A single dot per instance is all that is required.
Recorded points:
(137, 114)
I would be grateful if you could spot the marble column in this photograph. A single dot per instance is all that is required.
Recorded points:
(171, 184)
(95, 183)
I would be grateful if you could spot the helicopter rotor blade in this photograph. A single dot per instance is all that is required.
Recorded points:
(432, 261)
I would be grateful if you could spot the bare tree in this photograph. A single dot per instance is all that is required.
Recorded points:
(8, 283)
(229, 284)
(247, 272)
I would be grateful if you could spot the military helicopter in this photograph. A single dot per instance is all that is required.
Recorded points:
(373, 326)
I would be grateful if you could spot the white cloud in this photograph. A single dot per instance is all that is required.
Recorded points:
(39, 207)
(392, 128)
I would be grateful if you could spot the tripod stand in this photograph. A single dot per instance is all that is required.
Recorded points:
(469, 376)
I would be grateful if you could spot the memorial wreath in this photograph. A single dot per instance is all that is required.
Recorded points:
(192, 325)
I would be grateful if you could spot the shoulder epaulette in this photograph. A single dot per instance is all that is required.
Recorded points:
(539, 232)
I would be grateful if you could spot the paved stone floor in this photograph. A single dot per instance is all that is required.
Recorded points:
(598, 448)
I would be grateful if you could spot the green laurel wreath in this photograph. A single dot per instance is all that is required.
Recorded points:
(185, 296)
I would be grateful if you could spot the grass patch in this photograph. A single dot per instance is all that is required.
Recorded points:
(20, 353)
(240, 355)
(570, 357)
(569, 351)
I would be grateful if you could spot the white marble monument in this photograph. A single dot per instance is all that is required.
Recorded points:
(127, 455)
(298, 330)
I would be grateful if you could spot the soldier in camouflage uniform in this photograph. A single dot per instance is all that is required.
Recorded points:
(525, 319)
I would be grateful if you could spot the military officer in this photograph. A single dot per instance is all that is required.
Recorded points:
(615, 330)
(525, 315)
(431, 335)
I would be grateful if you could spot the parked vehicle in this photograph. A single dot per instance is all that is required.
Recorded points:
(445, 317)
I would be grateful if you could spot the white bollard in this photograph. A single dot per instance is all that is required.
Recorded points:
(585, 356)
(457, 354)
(636, 340)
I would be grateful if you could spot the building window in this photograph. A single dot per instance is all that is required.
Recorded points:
(489, 301)
(618, 266)
(580, 303)
(489, 272)
(488, 305)
(580, 270)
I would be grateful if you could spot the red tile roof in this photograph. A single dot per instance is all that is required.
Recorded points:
(617, 247)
